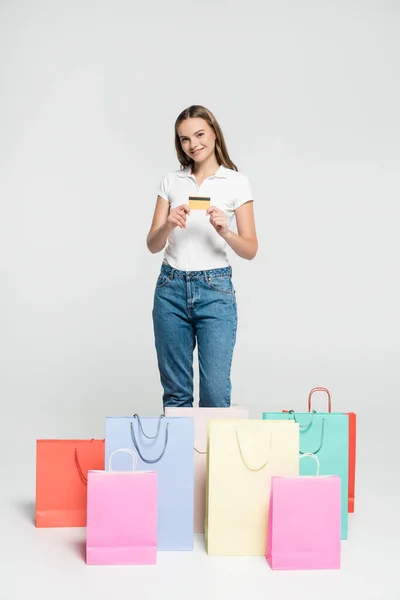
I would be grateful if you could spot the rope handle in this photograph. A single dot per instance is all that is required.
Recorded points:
(205, 451)
(321, 442)
(303, 428)
(128, 451)
(78, 466)
(149, 437)
(319, 389)
(242, 457)
(135, 443)
(311, 455)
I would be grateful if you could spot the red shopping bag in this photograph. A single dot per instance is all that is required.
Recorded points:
(61, 480)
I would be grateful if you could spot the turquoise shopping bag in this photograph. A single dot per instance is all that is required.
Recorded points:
(327, 436)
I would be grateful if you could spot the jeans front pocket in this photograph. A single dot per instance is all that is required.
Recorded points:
(162, 280)
(221, 284)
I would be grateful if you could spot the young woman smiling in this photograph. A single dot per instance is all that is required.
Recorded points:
(194, 299)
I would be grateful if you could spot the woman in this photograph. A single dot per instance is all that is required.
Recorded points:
(194, 300)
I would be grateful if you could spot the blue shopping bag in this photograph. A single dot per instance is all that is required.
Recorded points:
(164, 445)
(327, 436)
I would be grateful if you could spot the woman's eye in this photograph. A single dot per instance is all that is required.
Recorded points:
(186, 139)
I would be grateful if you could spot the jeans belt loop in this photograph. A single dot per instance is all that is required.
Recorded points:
(171, 275)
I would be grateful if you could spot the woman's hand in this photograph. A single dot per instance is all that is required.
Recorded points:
(218, 220)
(177, 217)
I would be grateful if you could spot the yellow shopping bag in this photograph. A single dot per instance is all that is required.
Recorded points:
(241, 459)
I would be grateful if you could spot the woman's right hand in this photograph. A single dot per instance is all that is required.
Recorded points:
(177, 216)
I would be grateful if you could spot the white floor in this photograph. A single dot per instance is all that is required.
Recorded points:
(50, 562)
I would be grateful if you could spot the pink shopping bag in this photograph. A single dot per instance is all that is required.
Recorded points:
(304, 522)
(121, 516)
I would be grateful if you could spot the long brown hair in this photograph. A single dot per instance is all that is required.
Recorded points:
(221, 152)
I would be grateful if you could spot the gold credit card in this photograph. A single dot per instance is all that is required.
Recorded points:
(199, 202)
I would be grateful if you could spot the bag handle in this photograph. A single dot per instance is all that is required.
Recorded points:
(242, 457)
(128, 451)
(149, 461)
(149, 437)
(311, 455)
(321, 442)
(205, 451)
(78, 466)
(200, 451)
(303, 428)
(319, 389)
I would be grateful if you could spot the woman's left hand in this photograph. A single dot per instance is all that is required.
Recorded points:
(218, 220)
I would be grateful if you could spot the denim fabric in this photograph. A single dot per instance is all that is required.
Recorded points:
(195, 307)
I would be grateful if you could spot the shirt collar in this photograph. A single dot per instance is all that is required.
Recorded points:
(221, 172)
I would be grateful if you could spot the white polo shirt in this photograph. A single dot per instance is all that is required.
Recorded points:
(199, 247)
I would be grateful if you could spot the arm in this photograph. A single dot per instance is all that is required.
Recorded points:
(159, 230)
(244, 243)
(163, 223)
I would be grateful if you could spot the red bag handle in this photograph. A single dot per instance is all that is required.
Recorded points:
(319, 389)
(78, 466)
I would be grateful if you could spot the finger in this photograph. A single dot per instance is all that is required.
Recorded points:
(211, 209)
(218, 221)
(180, 212)
(185, 208)
(182, 220)
(178, 221)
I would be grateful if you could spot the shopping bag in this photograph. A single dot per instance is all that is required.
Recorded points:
(352, 445)
(201, 417)
(242, 457)
(304, 526)
(121, 516)
(61, 480)
(166, 444)
(327, 435)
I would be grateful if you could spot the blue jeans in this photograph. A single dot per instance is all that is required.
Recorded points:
(190, 307)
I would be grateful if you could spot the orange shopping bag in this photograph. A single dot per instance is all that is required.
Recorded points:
(61, 480)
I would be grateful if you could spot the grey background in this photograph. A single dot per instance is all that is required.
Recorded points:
(307, 94)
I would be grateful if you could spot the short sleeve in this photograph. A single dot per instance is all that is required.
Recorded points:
(243, 192)
(163, 188)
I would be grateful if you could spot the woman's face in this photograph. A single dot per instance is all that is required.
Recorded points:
(197, 138)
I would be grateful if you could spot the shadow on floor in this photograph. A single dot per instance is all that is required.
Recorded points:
(79, 549)
(27, 510)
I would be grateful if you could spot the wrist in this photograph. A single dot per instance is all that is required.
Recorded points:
(168, 227)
